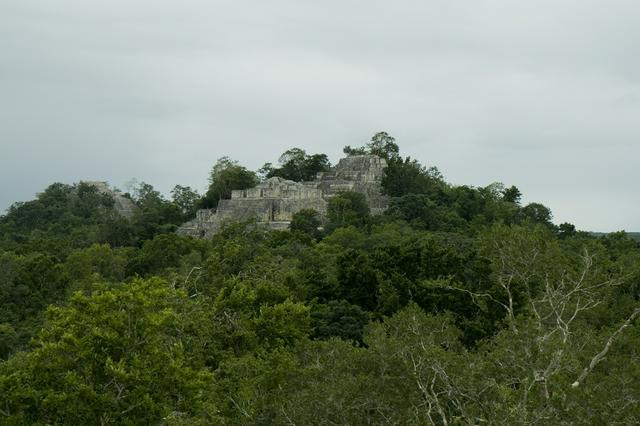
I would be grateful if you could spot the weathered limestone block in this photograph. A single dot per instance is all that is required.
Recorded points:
(361, 168)
(205, 221)
(359, 173)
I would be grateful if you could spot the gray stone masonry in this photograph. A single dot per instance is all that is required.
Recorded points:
(274, 201)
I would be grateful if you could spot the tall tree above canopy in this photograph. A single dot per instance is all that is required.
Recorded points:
(226, 176)
(536, 213)
(402, 176)
(512, 195)
(185, 198)
(297, 165)
(382, 144)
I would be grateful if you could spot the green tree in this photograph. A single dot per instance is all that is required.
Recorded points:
(226, 176)
(186, 199)
(424, 213)
(297, 165)
(381, 144)
(566, 230)
(306, 221)
(408, 176)
(87, 200)
(161, 252)
(338, 319)
(99, 261)
(347, 208)
(536, 213)
(145, 195)
(115, 356)
(155, 214)
(8, 340)
(408, 373)
(512, 195)
(358, 279)
(66, 216)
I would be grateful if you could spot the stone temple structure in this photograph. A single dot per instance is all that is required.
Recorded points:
(274, 201)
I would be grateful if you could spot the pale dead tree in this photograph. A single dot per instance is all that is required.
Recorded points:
(560, 302)
(564, 298)
(195, 281)
(516, 264)
(429, 393)
(603, 353)
(512, 271)
(443, 398)
(185, 284)
(475, 296)
(554, 299)
(427, 350)
(242, 410)
(286, 417)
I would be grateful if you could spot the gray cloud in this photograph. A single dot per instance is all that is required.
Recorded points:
(541, 94)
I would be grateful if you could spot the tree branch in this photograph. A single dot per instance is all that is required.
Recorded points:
(600, 356)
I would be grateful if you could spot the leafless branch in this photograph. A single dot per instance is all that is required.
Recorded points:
(603, 353)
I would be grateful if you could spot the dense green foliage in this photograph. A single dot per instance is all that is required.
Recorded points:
(297, 165)
(226, 176)
(456, 306)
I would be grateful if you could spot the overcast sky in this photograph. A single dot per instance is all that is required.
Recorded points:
(543, 94)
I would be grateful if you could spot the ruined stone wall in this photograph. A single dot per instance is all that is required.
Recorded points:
(359, 173)
(275, 201)
(278, 188)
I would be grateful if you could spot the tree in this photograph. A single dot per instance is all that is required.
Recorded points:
(339, 319)
(144, 194)
(306, 221)
(88, 199)
(98, 261)
(69, 214)
(382, 144)
(347, 208)
(186, 199)
(407, 373)
(511, 195)
(566, 230)
(358, 279)
(355, 151)
(297, 165)
(8, 340)
(424, 213)
(155, 215)
(115, 356)
(408, 176)
(161, 252)
(536, 213)
(226, 176)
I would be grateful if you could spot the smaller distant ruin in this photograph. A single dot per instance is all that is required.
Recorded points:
(122, 205)
(274, 201)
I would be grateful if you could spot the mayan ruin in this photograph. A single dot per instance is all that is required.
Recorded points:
(274, 202)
